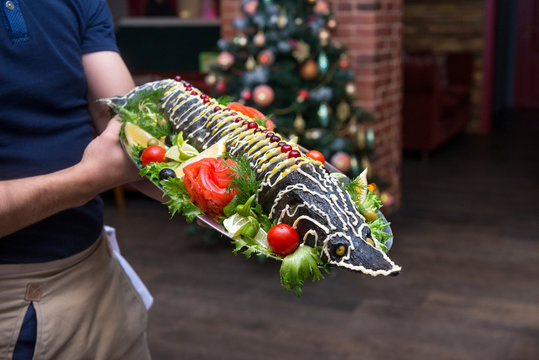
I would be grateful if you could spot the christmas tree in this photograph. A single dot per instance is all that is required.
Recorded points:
(284, 62)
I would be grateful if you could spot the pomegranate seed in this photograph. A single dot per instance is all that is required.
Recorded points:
(238, 119)
(194, 93)
(178, 78)
(269, 134)
(294, 154)
(286, 148)
(257, 130)
(206, 100)
(217, 108)
(275, 138)
(252, 125)
(245, 123)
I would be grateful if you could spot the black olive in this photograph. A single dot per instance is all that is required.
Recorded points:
(169, 139)
(140, 153)
(166, 173)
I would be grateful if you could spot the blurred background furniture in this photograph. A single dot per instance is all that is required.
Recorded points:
(436, 99)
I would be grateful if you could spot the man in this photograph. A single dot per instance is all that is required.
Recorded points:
(63, 295)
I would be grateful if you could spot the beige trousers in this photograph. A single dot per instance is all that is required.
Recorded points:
(86, 307)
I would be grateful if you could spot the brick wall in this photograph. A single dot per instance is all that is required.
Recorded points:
(372, 32)
(448, 26)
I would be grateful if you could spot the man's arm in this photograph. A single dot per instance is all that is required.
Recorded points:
(104, 164)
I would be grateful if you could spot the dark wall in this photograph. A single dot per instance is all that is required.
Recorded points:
(162, 48)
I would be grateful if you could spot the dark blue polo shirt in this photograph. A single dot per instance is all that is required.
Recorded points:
(44, 120)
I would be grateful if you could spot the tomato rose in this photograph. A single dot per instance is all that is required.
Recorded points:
(206, 182)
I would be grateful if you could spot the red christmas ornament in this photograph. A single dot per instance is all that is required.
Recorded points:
(303, 94)
(263, 95)
(250, 7)
(266, 57)
(221, 87)
(321, 7)
(343, 63)
(246, 95)
(225, 60)
(341, 161)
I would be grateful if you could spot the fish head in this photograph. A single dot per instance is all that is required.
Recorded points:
(358, 251)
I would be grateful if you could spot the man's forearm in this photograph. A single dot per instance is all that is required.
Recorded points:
(26, 201)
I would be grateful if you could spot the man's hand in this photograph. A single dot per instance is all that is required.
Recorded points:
(105, 157)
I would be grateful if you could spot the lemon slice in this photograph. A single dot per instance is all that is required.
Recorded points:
(137, 136)
(235, 224)
(214, 151)
(361, 188)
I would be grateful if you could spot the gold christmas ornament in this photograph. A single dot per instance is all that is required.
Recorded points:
(314, 134)
(351, 127)
(299, 123)
(323, 35)
(302, 51)
(282, 20)
(259, 39)
(343, 111)
(361, 139)
(309, 70)
(250, 64)
(241, 40)
(350, 89)
(365, 163)
(211, 79)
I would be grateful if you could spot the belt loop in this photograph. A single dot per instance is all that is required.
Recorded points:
(33, 292)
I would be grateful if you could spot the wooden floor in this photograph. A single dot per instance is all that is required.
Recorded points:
(466, 237)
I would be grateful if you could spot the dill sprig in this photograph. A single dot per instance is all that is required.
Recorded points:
(354, 187)
(244, 180)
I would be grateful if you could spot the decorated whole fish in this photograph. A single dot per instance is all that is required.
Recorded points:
(295, 189)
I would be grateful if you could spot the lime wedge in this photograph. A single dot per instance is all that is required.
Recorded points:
(188, 151)
(173, 153)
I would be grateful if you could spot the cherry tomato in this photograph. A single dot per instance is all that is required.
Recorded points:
(283, 239)
(152, 153)
(316, 155)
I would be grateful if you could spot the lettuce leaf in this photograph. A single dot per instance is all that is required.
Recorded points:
(299, 266)
(377, 229)
(180, 201)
